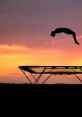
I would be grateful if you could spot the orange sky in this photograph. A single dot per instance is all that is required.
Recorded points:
(12, 56)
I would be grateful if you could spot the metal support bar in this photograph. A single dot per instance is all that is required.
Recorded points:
(46, 79)
(40, 76)
(78, 78)
(26, 76)
(34, 78)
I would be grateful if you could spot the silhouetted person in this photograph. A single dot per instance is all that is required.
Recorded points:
(65, 30)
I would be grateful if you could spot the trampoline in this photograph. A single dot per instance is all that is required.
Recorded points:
(49, 70)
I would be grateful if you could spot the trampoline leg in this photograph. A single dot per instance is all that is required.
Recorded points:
(34, 79)
(39, 76)
(46, 79)
(78, 78)
(26, 77)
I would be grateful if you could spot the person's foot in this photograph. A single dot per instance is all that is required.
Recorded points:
(77, 43)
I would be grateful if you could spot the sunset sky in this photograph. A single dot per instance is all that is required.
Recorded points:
(25, 27)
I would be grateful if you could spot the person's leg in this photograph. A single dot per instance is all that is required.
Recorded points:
(74, 36)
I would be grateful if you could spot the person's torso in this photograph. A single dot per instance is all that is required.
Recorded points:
(65, 30)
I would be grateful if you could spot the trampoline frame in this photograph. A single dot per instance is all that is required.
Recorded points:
(60, 70)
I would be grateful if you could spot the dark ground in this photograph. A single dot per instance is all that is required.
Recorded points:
(39, 97)
(27, 90)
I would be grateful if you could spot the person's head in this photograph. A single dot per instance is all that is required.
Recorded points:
(53, 33)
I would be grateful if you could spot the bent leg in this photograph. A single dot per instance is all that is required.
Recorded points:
(74, 36)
